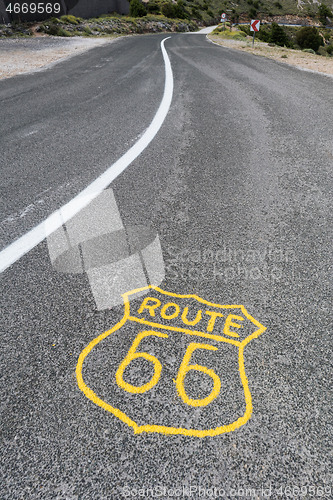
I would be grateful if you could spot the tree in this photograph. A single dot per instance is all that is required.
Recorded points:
(279, 36)
(168, 9)
(324, 12)
(153, 8)
(180, 9)
(309, 38)
(137, 9)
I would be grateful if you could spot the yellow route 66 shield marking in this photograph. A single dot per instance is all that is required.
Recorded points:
(174, 364)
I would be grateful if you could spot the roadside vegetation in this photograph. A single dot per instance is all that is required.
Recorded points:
(114, 24)
(310, 39)
(68, 26)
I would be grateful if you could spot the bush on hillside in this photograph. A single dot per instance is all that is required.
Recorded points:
(271, 34)
(70, 19)
(137, 9)
(153, 8)
(168, 10)
(309, 38)
(55, 30)
(264, 34)
(279, 36)
(309, 51)
(245, 28)
(174, 11)
(196, 14)
(324, 12)
(180, 10)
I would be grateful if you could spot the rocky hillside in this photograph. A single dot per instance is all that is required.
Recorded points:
(288, 11)
(103, 26)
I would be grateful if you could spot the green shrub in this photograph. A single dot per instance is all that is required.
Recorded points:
(54, 29)
(324, 12)
(279, 36)
(240, 37)
(274, 34)
(153, 8)
(234, 35)
(322, 51)
(196, 13)
(310, 12)
(62, 32)
(180, 12)
(309, 38)
(137, 9)
(70, 19)
(174, 11)
(168, 9)
(264, 34)
(309, 51)
(245, 28)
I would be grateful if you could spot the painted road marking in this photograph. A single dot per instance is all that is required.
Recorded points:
(160, 380)
(13, 252)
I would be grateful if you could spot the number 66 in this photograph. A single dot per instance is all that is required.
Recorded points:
(184, 368)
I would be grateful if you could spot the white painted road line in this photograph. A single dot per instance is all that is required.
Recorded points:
(13, 252)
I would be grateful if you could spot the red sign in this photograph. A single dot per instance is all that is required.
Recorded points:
(223, 16)
(255, 24)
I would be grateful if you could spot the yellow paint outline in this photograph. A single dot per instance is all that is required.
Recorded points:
(138, 429)
(185, 367)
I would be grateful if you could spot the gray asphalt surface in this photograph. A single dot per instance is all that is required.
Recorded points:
(238, 185)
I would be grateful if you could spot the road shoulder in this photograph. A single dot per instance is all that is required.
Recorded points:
(296, 58)
(27, 55)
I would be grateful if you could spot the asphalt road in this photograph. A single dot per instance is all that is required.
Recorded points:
(237, 184)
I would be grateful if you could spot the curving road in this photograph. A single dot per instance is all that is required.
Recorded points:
(237, 185)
